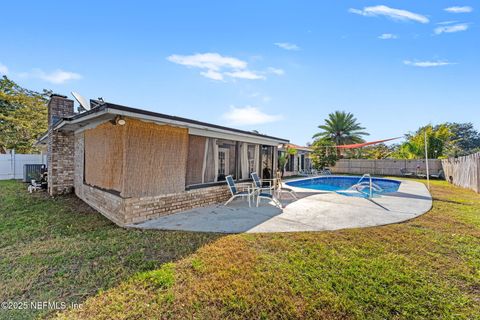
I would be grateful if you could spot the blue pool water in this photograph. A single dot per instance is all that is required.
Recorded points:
(341, 184)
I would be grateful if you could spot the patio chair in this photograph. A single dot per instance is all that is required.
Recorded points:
(439, 175)
(302, 173)
(326, 172)
(421, 174)
(406, 173)
(236, 193)
(264, 192)
(279, 189)
(259, 184)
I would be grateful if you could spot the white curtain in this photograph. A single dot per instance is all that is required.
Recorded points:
(244, 160)
(204, 166)
(275, 161)
(257, 159)
(215, 159)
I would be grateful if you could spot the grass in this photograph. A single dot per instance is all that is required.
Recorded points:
(61, 250)
(425, 268)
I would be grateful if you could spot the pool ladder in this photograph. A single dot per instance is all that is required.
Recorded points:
(359, 186)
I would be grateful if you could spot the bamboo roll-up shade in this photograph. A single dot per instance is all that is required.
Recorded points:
(196, 155)
(155, 159)
(104, 156)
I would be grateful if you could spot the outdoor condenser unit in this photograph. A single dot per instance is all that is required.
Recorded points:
(32, 171)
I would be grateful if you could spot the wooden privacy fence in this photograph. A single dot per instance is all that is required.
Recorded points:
(463, 171)
(384, 167)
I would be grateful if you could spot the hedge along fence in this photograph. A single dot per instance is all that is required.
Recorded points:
(463, 171)
(385, 167)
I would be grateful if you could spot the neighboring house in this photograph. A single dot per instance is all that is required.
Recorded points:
(133, 165)
(298, 162)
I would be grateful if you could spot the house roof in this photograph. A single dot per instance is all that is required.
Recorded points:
(295, 146)
(106, 111)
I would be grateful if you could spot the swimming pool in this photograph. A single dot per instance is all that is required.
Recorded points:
(344, 184)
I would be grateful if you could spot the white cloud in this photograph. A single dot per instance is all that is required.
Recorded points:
(245, 74)
(287, 46)
(427, 64)
(216, 66)
(447, 22)
(395, 14)
(277, 71)
(248, 115)
(464, 9)
(212, 74)
(3, 69)
(451, 28)
(58, 76)
(387, 36)
(212, 61)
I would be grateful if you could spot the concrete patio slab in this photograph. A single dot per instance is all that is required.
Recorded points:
(313, 211)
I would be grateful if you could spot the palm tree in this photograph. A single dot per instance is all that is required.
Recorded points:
(341, 128)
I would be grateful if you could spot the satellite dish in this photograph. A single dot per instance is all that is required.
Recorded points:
(81, 100)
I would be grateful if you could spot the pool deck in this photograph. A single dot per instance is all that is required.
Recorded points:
(314, 211)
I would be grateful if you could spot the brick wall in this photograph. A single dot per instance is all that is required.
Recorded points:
(60, 148)
(108, 204)
(60, 162)
(146, 208)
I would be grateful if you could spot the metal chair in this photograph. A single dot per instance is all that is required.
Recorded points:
(261, 192)
(236, 193)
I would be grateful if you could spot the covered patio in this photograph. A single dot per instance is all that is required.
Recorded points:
(313, 211)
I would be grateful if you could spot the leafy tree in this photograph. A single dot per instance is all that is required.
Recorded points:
(341, 128)
(324, 154)
(466, 139)
(284, 158)
(23, 116)
(439, 139)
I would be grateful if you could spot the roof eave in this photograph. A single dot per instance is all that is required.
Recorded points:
(106, 109)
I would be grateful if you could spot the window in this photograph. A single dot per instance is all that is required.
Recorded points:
(223, 163)
(267, 162)
(210, 160)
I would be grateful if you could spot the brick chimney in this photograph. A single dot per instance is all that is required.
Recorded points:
(60, 147)
(59, 107)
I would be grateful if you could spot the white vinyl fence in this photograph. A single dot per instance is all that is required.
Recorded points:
(463, 171)
(11, 165)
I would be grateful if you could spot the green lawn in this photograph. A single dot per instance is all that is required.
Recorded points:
(61, 250)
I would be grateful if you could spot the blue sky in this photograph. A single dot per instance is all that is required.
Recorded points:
(275, 66)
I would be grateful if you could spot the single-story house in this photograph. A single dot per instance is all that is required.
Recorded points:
(134, 165)
(298, 162)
